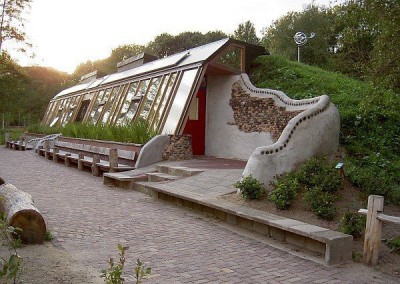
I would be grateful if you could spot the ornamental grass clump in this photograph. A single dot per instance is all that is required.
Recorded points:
(250, 188)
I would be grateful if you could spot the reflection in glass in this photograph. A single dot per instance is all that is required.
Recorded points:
(179, 102)
(72, 109)
(95, 105)
(150, 96)
(165, 94)
(128, 105)
(232, 58)
(110, 103)
(59, 112)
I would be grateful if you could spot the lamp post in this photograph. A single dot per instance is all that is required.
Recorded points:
(300, 39)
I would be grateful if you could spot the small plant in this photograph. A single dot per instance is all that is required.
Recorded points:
(113, 274)
(9, 268)
(393, 244)
(48, 236)
(250, 188)
(141, 271)
(285, 191)
(319, 172)
(321, 203)
(357, 256)
(352, 224)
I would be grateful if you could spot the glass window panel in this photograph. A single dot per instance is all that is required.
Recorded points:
(59, 113)
(54, 112)
(232, 58)
(49, 111)
(158, 98)
(110, 103)
(128, 104)
(163, 101)
(101, 102)
(150, 96)
(96, 106)
(179, 102)
(72, 109)
(118, 103)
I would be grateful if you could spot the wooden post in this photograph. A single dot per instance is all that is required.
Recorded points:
(80, 161)
(95, 167)
(46, 147)
(67, 160)
(373, 230)
(55, 154)
(21, 142)
(113, 159)
(6, 138)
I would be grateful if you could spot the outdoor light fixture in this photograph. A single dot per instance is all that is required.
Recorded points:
(300, 39)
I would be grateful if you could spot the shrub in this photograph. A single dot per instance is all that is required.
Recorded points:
(393, 244)
(319, 173)
(285, 191)
(321, 202)
(352, 224)
(250, 188)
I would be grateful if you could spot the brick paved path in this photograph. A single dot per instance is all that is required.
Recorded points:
(89, 219)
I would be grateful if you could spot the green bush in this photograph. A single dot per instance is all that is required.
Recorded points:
(393, 244)
(250, 188)
(352, 224)
(285, 191)
(318, 172)
(321, 202)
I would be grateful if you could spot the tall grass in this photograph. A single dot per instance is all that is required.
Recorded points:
(130, 133)
(15, 134)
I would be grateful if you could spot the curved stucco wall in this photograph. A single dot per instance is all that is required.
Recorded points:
(313, 132)
(223, 138)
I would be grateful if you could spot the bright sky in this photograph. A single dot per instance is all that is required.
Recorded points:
(65, 33)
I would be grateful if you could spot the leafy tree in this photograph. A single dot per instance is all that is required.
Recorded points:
(246, 32)
(278, 37)
(367, 30)
(12, 22)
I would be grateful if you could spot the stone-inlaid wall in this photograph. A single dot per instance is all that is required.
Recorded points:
(253, 114)
(178, 148)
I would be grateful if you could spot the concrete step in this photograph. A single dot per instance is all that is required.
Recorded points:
(121, 180)
(178, 171)
(157, 177)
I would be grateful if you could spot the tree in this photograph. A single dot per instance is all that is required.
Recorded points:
(278, 37)
(368, 32)
(12, 21)
(246, 32)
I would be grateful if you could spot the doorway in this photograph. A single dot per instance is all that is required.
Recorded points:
(196, 123)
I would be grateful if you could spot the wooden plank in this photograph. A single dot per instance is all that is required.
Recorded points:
(373, 230)
(383, 217)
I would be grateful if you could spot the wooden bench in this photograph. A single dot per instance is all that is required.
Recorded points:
(34, 143)
(97, 157)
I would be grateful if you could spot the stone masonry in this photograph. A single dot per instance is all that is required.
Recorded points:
(253, 114)
(178, 148)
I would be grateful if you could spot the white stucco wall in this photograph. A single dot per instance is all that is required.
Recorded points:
(317, 136)
(224, 140)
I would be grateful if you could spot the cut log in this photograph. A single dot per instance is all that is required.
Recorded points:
(21, 213)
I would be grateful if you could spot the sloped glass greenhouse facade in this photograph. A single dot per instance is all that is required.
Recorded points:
(159, 91)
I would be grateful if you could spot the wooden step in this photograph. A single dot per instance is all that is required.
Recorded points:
(158, 177)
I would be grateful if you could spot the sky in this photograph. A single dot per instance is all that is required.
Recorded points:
(65, 33)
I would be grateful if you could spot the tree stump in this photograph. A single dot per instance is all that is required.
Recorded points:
(21, 213)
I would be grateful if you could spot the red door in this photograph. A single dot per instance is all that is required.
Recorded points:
(196, 123)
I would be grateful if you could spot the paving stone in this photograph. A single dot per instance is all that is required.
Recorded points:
(89, 219)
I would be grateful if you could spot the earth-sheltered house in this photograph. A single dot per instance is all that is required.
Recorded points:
(203, 97)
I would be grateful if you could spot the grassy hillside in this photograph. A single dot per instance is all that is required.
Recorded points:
(370, 119)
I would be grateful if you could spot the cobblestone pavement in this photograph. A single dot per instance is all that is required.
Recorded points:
(89, 219)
